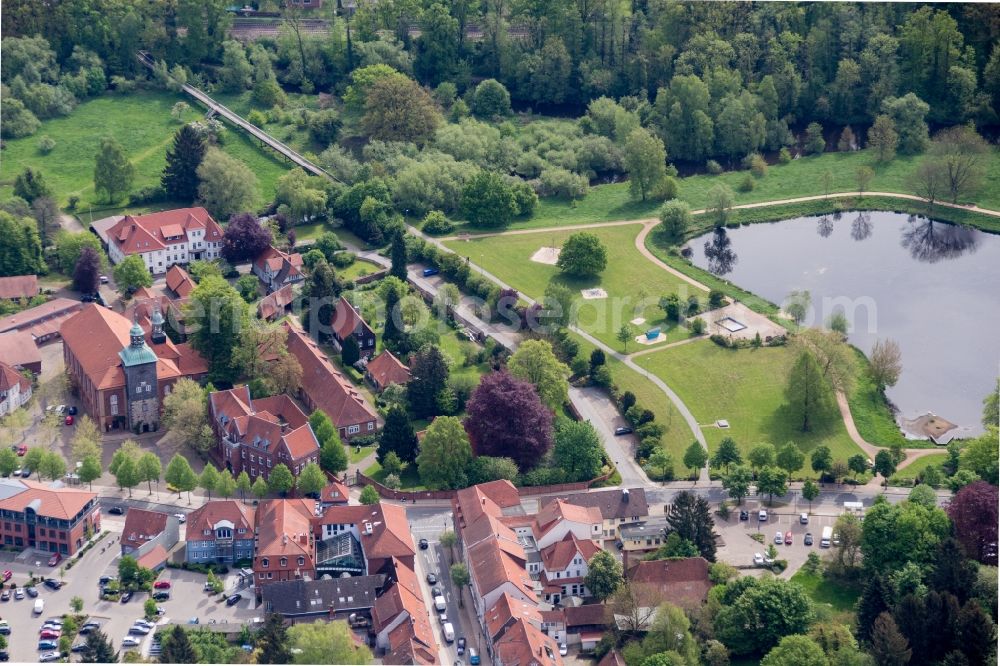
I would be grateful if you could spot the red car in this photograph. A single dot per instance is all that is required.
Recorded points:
(55, 559)
(69, 420)
(7, 575)
(162, 585)
(21, 450)
(52, 634)
(788, 538)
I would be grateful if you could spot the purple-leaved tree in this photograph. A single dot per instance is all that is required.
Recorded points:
(507, 418)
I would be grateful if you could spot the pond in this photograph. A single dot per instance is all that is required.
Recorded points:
(932, 287)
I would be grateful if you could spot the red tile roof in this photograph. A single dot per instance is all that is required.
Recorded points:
(525, 645)
(145, 233)
(485, 498)
(413, 641)
(19, 286)
(492, 567)
(559, 555)
(60, 503)
(390, 535)
(9, 378)
(19, 348)
(156, 556)
(25, 319)
(284, 408)
(142, 526)
(507, 610)
(272, 258)
(345, 319)
(682, 582)
(556, 512)
(612, 659)
(588, 614)
(326, 387)
(335, 492)
(179, 281)
(212, 512)
(284, 528)
(273, 305)
(386, 369)
(276, 420)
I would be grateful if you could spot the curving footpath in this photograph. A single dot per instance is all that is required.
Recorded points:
(866, 446)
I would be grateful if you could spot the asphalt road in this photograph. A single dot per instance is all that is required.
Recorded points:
(595, 406)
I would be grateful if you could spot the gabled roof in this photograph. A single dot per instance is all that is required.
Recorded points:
(485, 498)
(142, 526)
(346, 319)
(210, 514)
(613, 504)
(559, 511)
(506, 611)
(283, 407)
(57, 307)
(284, 528)
(46, 500)
(682, 582)
(335, 492)
(612, 658)
(559, 555)
(146, 233)
(9, 378)
(412, 641)
(390, 535)
(325, 385)
(489, 527)
(386, 369)
(587, 614)
(492, 566)
(19, 348)
(525, 645)
(230, 403)
(179, 282)
(19, 286)
(154, 558)
(274, 304)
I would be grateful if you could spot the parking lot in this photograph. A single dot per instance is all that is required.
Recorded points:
(739, 547)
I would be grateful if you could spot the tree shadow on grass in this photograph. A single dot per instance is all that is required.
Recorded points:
(784, 425)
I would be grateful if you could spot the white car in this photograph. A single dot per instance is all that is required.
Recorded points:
(563, 650)
(181, 518)
(762, 515)
(803, 519)
(758, 560)
(46, 657)
(779, 538)
(145, 623)
(131, 641)
(104, 279)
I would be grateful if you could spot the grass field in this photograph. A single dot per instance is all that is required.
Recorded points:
(142, 124)
(629, 279)
(747, 388)
(803, 177)
(358, 269)
(870, 411)
(906, 475)
(838, 596)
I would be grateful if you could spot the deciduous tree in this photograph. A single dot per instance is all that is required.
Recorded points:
(244, 238)
(225, 184)
(577, 450)
(727, 454)
(582, 255)
(180, 475)
(646, 163)
(882, 138)
(973, 513)
(220, 314)
(507, 418)
(774, 606)
(113, 172)
(326, 643)
(962, 152)
(311, 480)
(810, 491)
(488, 201)
(87, 271)
(737, 482)
(131, 273)
(398, 109)
(445, 454)
(796, 651)
(695, 456)
(185, 414)
(535, 362)
(772, 481)
(675, 219)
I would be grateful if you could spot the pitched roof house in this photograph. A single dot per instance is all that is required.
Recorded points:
(220, 531)
(141, 527)
(15, 389)
(682, 582)
(525, 645)
(275, 304)
(347, 322)
(558, 518)
(564, 567)
(18, 286)
(29, 508)
(166, 238)
(276, 268)
(285, 547)
(618, 507)
(18, 348)
(43, 322)
(386, 369)
(324, 387)
(179, 282)
(257, 435)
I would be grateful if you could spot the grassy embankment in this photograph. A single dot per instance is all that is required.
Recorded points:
(799, 178)
(142, 123)
(747, 388)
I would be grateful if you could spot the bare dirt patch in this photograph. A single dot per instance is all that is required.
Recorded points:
(546, 255)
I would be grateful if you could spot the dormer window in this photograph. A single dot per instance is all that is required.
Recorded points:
(302, 561)
(284, 562)
(264, 562)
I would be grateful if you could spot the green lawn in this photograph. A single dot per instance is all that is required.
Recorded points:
(355, 455)
(803, 177)
(870, 411)
(633, 283)
(142, 124)
(747, 388)
(906, 475)
(409, 479)
(840, 597)
(358, 269)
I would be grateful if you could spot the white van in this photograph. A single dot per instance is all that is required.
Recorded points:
(39, 606)
(440, 604)
(449, 632)
(824, 541)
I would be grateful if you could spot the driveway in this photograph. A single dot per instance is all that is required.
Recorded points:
(595, 407)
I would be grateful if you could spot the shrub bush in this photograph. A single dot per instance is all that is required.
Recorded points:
(747, 184)
(784, 157)
(150, 194)
(258, 118)
(713, 167)
(436, 223)
(758, 166)
(343, 259)
(46, 144)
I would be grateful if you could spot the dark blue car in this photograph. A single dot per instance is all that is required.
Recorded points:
(47, 645)
(430, 271)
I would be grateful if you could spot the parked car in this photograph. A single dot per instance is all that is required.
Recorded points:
(54, 560)
(779, 537)
(744, 515)
(130, 641)
(7, 575)
(762, 515)
(208, 587)
(138, 629)
(145, 623)
(50, 633)
(435, 592)
(52, 583)
(808, 540)
(432, 579)
(104, 279)
(31, 592)
(623, 430)
(181, 518)
(161, 595)
(233, 600)
(116, 511)
(47, 645)
(788, 538)
(72, 410)
(768, 560)
(460, 645)
(89, 627)
(4, 628)
(423, 544)
(79, 647)
(46, 657)
(5, 595)
(563, 649)
(25, 473)
(4, 655)
(126, 597)
(162, 585)
(21, 450)
(19, 594)
(473, 657)
(69, 420)
(803, 519)
(758, 560)
(430, 271)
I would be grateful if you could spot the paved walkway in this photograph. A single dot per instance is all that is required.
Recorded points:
(866, 446)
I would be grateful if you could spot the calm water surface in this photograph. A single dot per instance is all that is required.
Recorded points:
(931, 286)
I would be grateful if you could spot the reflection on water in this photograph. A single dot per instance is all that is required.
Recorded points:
(719, 252)
(929, 285)
(932, 241)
